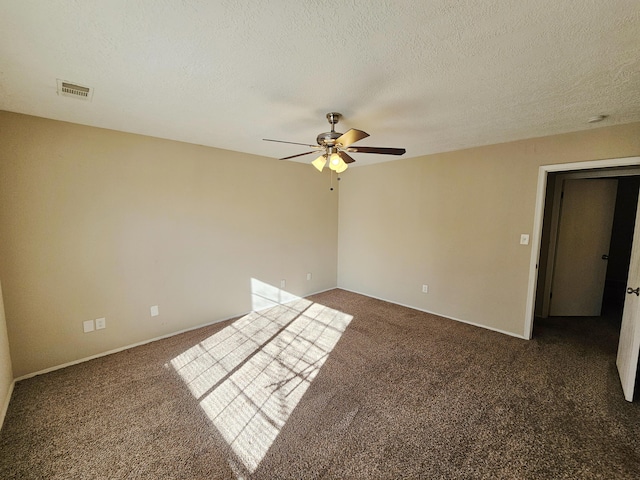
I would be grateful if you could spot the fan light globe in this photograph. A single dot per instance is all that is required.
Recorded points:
(320, 162)
(342, 166)
(337, 164)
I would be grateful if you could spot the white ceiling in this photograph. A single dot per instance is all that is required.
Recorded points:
(430, 76)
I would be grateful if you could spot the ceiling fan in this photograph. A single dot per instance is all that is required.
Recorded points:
(336, 145)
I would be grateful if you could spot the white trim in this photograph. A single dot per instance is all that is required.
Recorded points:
(138, 344)
(606, 163)
(120, 349)
(5, 405)
(543, 172)
(486, 327)
(538, 218)
(608, 173)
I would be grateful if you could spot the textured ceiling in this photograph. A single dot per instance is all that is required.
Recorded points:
(430, 76)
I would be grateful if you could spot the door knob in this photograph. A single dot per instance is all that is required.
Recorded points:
(631, 290)
(605, 257)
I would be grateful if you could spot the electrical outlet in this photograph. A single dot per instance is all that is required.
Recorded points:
(101, 323)
(155, 311)
(283, 283)
(88, 326)
(425, 288)
(308, 276)
(524, 239)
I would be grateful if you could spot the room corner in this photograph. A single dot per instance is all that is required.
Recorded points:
(6, 370)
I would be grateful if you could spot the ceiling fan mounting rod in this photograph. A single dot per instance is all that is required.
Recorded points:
(333, 118)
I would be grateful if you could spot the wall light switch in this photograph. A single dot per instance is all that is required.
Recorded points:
(155, 311)
(101, 323)
(524, 239)
(283, 283)
(88, 326)
(308, 276)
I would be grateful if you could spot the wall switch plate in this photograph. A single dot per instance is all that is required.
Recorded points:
(425, 288)
(524, 239)
(283, 283)
(88, 326)
(155, 311)
(101, 323)
(308, 276)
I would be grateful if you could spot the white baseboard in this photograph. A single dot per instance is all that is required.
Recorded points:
(120, 349)
(486, 327)
(144, 342)
(5, 404)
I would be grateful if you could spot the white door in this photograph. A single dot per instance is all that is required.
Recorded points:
(584, 234)
(629, 345)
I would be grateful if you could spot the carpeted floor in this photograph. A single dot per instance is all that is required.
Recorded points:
(340, 386)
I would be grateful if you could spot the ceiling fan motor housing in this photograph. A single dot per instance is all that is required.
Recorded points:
(328, 139)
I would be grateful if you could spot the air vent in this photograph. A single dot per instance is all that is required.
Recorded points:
(68, 89)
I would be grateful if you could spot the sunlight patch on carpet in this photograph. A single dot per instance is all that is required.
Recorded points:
(249, 377)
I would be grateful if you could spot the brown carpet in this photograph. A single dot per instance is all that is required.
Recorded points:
(344, 386)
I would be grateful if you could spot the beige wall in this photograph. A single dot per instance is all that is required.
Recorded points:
(96, 223)
(6, 372)
(453, 221)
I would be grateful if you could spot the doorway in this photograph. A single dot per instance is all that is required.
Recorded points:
(563, 265)
(540, 272)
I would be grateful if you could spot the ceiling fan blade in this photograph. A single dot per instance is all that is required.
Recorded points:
(352, 136)
(293, 143)
(345, 157)
(382, 150)
(298, 155)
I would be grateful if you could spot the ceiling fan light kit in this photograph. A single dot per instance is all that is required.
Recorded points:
(336, 145)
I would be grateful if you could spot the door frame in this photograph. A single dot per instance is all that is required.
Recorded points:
(598, 169)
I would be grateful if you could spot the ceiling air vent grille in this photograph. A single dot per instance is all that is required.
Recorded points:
(68, 89)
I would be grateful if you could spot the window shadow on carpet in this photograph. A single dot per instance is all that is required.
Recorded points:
(249, 377)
